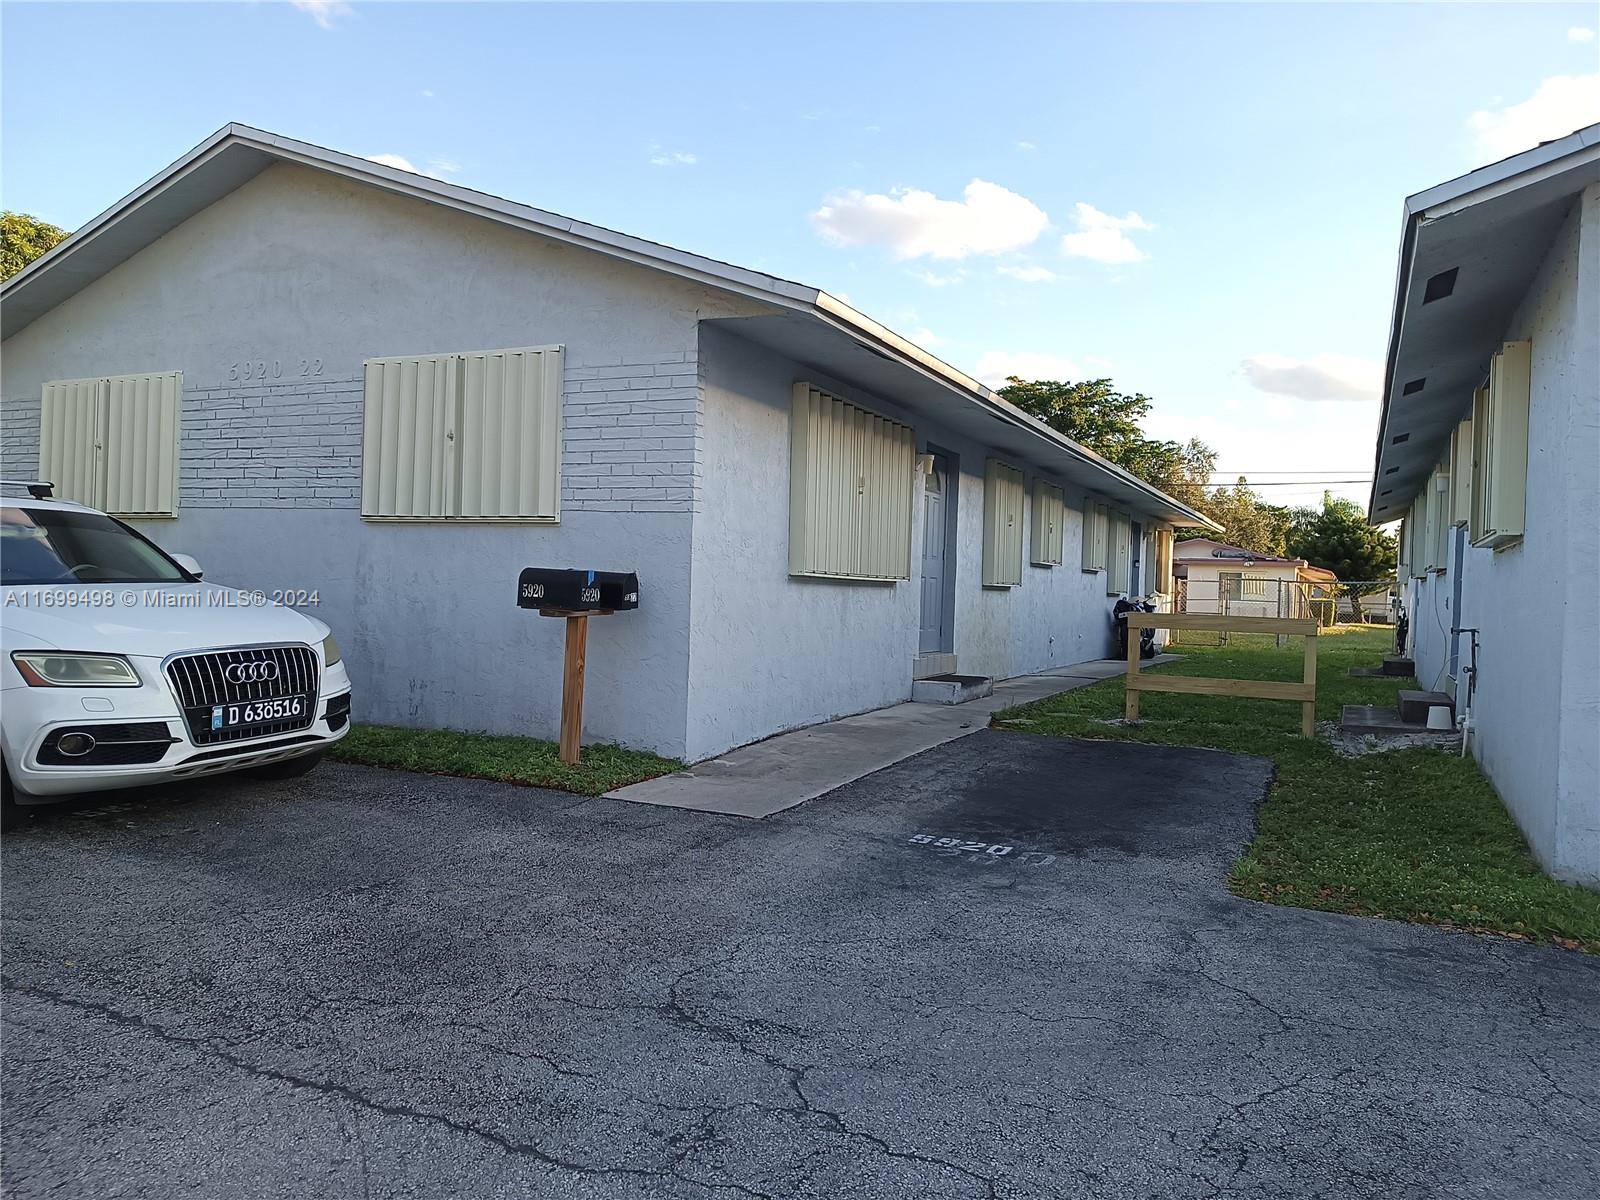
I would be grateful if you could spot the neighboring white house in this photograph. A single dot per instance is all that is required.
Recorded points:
(1489, 448)
(317, 372)
(1219, 578)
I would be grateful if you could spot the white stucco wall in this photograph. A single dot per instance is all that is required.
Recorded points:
(756, 630)
(1536, 715)
(298, 264)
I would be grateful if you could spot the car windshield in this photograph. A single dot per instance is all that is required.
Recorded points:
(54, 545)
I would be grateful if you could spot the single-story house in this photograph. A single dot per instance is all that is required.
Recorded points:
(1489, 451)
(1219, 578)
(317, 372)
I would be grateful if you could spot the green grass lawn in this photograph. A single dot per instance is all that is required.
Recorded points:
(524, 760)
(1411, 835)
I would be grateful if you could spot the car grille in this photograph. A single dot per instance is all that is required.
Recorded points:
(200, 680)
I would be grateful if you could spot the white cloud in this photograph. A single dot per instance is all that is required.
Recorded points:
(1580, 33)
(426, 93)
(1026, 146)
(936, 279)
(1320, 377)
(437, 168)
(911, 223)
(397, 161)
(672, 158)
(323, 12)
(1561, 104)
(996, 366)
(1104, 238)
(1028, 274)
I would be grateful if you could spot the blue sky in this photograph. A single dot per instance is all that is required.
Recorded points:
(1200, 201)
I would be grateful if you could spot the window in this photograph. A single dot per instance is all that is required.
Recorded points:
(1096, 521)
(1119, 568)
(1500, 448)
(1253, 587)
(112, 442)
(1402, 566)
(1002, 525)
(851, 474)
(463, 436)
(1230, 584)
(1049, 515)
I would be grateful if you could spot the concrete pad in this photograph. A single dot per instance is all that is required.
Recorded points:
(769, 776)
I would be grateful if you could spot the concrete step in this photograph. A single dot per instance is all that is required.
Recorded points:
(1414, 706)
(1399, 666)
(951, 689)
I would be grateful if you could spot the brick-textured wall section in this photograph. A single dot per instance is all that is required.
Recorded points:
(630, 445)
(19, 437)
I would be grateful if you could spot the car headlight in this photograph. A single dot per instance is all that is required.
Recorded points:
(330, 650)
(45, 668)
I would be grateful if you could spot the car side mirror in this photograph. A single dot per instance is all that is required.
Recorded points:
(189, 564)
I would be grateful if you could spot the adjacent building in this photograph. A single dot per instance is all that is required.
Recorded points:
(1215, 577)
(321, 374)
(1489, 452)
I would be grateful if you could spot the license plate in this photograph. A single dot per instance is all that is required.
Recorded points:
(259, 712)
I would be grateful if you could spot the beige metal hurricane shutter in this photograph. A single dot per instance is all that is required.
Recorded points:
(1461, 476)
(1163, 563)
(141, 444)
(1049, 513)
(1093, 535)
(71, 432)
(851, 474)
(1500, 430)
(473, 436)
(511, 434)
(112, 442)
(1002, 524)
(408, 456)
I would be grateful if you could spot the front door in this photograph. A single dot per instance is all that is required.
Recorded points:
(934, 633)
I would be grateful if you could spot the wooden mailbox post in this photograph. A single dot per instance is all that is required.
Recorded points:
(576, 596)
(1304, 692)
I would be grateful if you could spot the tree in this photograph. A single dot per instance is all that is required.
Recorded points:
(1094, 414)
(1248, 520)
(23, 239)
(1338, 538)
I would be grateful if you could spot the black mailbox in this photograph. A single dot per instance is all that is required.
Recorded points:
(577, 591)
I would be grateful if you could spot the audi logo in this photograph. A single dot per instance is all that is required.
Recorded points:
(250, 672)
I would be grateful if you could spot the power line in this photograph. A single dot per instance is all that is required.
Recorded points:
(1299, 483)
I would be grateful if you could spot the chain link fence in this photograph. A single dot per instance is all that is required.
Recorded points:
(1329, 603)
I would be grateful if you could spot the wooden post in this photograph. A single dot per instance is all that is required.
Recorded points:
(572, 689)
(1130, 711)
(1308, 709)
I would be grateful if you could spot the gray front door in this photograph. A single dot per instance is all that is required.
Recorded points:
(934, 633)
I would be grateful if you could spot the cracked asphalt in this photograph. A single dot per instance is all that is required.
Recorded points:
(1006, 967)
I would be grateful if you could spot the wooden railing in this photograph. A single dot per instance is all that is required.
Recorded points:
(1261, 689)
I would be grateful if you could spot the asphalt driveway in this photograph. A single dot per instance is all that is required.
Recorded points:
(1006, 967)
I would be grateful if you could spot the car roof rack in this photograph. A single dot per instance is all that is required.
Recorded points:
(39, 489)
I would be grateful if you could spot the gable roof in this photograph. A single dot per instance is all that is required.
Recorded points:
(1492, 227)
(811, 324)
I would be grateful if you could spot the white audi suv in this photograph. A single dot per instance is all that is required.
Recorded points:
(120, 668)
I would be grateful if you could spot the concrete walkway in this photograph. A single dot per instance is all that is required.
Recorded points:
(767, 777)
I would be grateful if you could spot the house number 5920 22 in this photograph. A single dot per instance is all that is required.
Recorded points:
(247, 369)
